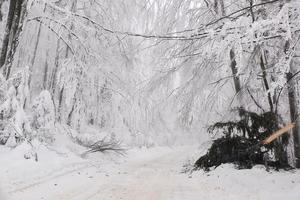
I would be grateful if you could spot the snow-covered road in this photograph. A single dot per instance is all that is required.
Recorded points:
(148, 175)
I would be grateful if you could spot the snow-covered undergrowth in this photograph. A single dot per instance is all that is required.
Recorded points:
(34, 124)
(15, 125)
(19, 127)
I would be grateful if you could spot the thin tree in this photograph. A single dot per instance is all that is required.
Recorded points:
(233, 63)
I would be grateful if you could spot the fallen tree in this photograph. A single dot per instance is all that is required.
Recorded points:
(252, 140)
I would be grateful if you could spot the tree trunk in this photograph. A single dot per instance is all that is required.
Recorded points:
(265, 80)
(54, 73)
(60, 100)
(14, 36)
(294, 114)
(216, 6)
(73, 9)
(37, 41)
(236, 80)
(293, 97)
(1, 15)
(220, 6)
(36, 45)
(45, 79)
(9, 23)
(69, 120)
(263, 62)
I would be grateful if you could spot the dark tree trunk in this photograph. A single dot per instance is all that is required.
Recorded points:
(9, 23)
(60, 101)
(54, 73)
(293, 104)
(265, 80)
(1, 15)
(293, 101)
(53, 82)
(69, 120)
(219, 7)
(263, 62)
(216, 6)
(222, 7)
(45, 79)
(14, 37)
(294, 114)
(236, 80)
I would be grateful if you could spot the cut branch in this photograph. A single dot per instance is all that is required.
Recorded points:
(278, 133)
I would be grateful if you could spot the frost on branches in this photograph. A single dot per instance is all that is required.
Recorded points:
(43, 117)
(15, 126)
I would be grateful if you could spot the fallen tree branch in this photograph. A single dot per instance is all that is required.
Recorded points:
(278, 133)
(105, 146)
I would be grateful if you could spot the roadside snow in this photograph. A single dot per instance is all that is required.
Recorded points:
(144, 174)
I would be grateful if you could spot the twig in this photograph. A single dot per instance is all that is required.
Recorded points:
(252, 97)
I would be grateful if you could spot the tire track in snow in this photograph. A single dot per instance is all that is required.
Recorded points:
(153, 179)
(50, 176)
(150, 176)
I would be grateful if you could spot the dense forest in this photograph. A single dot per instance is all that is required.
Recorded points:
(117, 75)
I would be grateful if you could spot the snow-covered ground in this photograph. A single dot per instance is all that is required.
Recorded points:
(143, 174)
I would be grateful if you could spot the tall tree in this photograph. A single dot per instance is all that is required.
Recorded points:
(9, 23)
(294, 114)
(1, 15)
(293, 96)
(14, 35)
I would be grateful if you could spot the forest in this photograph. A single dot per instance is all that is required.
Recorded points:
(149, 99)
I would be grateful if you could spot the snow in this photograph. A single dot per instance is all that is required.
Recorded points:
(143, 174)
(148, 74)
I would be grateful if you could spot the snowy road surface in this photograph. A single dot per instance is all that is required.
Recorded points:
(153, 174)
